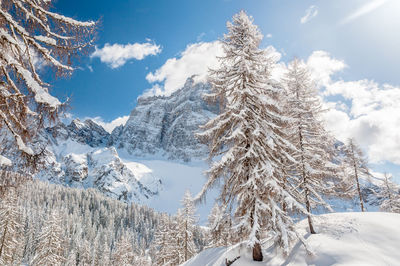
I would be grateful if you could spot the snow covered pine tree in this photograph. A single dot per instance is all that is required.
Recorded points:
(187, 219)
(32, 36)
(50, 249)
(220, 224)
(355, 166)
(390, 193)
(248, 134)
(314, 166)
(10, 230)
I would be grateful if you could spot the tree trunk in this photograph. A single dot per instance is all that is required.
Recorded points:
(356, 176)
(257, 252)
(310, 225)
(359, 192)
(305, 181)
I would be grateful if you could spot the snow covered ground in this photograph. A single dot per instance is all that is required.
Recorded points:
(361, 239)
(176, 178)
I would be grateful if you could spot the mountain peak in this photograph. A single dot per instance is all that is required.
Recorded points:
(165, 125)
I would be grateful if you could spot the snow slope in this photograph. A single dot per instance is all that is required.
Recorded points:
(176, 178)
(343, 239)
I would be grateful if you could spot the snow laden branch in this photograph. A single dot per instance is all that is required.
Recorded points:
(33, 37)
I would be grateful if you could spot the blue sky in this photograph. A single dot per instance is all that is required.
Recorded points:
(368, 44)
(352, 45)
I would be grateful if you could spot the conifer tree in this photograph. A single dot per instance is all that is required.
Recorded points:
(187, 220)
(10, 230)
(220, 226)
(162, 242)
(390, 193)
(313, 158)
(355, 166)
(175, 246)
(247, 141)
(123, 253)
(50, 249)
(84, 252)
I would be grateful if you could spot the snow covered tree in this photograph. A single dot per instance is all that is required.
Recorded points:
(220, 226)
(84, 252)
(162, 242)
(187, 220)
(355, 166)
(123, 253)
(51, 246)
(390, 193)
(32, 37)
(141, 259)
(10, 230)
(313, 156)
(247, 142)
(175, 242)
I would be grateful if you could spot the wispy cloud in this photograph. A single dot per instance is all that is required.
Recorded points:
(311, 13)
(117, 55)
(200, 36)
(365, 9)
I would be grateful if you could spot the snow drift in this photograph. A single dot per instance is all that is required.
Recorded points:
(343, 239)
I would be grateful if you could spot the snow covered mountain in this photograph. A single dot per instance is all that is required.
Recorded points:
(82, 154)
(165, 126)
(78, 156)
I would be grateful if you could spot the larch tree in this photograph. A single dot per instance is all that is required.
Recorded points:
(31, 37)
(246, 141)
(123, 253)
(162, 242)
(390, 195)
(355, 166)
(10, 230)
(51, 247)
(187, 219)
(313, 165)
(220, 227)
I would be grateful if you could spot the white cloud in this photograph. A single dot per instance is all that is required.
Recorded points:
(323, 66)
(117, 55)
(109, 126)
(365, 9)
(195, 60)
(311, 13)
(269, 35)
(371, 114)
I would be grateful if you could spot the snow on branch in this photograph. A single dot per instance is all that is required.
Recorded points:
(30, 33)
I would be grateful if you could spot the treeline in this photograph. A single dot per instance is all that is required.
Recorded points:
(47, 224)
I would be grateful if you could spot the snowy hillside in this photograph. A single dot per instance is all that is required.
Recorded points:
(343, 239)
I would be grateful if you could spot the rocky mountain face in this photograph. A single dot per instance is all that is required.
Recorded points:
(166, 126)
(87, 132)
